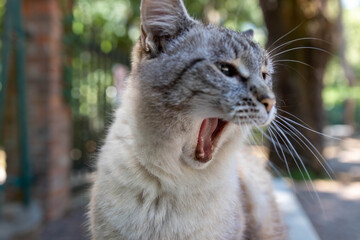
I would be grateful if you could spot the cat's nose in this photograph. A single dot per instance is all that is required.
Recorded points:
(268, 103)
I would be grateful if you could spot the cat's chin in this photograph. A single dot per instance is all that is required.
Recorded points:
(209, 134)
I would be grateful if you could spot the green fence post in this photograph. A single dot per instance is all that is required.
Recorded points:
(13, 29)
(5, 56)
(20, 66)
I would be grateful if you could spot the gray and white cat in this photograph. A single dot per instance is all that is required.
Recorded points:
(172, 165)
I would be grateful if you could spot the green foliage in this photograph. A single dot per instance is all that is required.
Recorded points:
(337, 94)
(352, 36)
(2, 8)
(109, 24)
(2, 12)
(116, 22)
(336, 90)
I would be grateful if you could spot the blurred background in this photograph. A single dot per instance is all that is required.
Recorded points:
(63, 64)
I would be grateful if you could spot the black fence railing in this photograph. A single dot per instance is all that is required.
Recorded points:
(93, 94)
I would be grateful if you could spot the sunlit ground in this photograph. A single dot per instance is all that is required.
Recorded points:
(344, 159)
(333, 206)
(349, 191)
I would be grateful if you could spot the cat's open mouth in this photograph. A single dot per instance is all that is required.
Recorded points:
(209, 134)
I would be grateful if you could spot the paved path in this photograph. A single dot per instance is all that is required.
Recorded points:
(298, 224)
(71, 227)
(336, 214)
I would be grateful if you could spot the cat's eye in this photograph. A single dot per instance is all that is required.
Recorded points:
(227, 69)
(265, 75)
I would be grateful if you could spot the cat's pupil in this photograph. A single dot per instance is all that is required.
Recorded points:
(264, 75)
(227, 69)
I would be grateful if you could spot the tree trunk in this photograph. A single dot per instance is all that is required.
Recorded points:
(298, 86)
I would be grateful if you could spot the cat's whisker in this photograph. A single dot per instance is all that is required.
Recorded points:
(275, 169)
(280, 146)
(275, 67)
(255, 144)
(282, 110)
(278, 143)
(274, 128)
(307, 128)
(323, 159)
(291, 150)
(301, 137)
(295, 61)
(275, 133)
(243, 131)
(285, 119)
(271, 164)
(251, 134)
(273, 142)
(282, 153)
(296, 71)
(296, 40)
(306, 171)
(283, 36)
(298, 48)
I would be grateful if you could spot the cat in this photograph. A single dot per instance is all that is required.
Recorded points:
(172, 166)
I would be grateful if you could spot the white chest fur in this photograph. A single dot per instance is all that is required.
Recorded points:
(144, 194)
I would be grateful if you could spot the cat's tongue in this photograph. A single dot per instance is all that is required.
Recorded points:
(205, 144)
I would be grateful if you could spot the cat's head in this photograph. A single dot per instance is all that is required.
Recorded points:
(203, 71)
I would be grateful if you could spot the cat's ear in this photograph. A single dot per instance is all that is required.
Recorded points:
(162, 19)
(249, 33)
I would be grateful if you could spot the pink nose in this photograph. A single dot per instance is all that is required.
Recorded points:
(268, 103)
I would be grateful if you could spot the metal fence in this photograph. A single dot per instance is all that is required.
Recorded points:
(13, 51)
(92, 91)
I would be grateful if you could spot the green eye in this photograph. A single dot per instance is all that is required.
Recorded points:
(227, 69)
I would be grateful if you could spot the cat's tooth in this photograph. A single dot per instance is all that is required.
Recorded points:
(202, 154)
